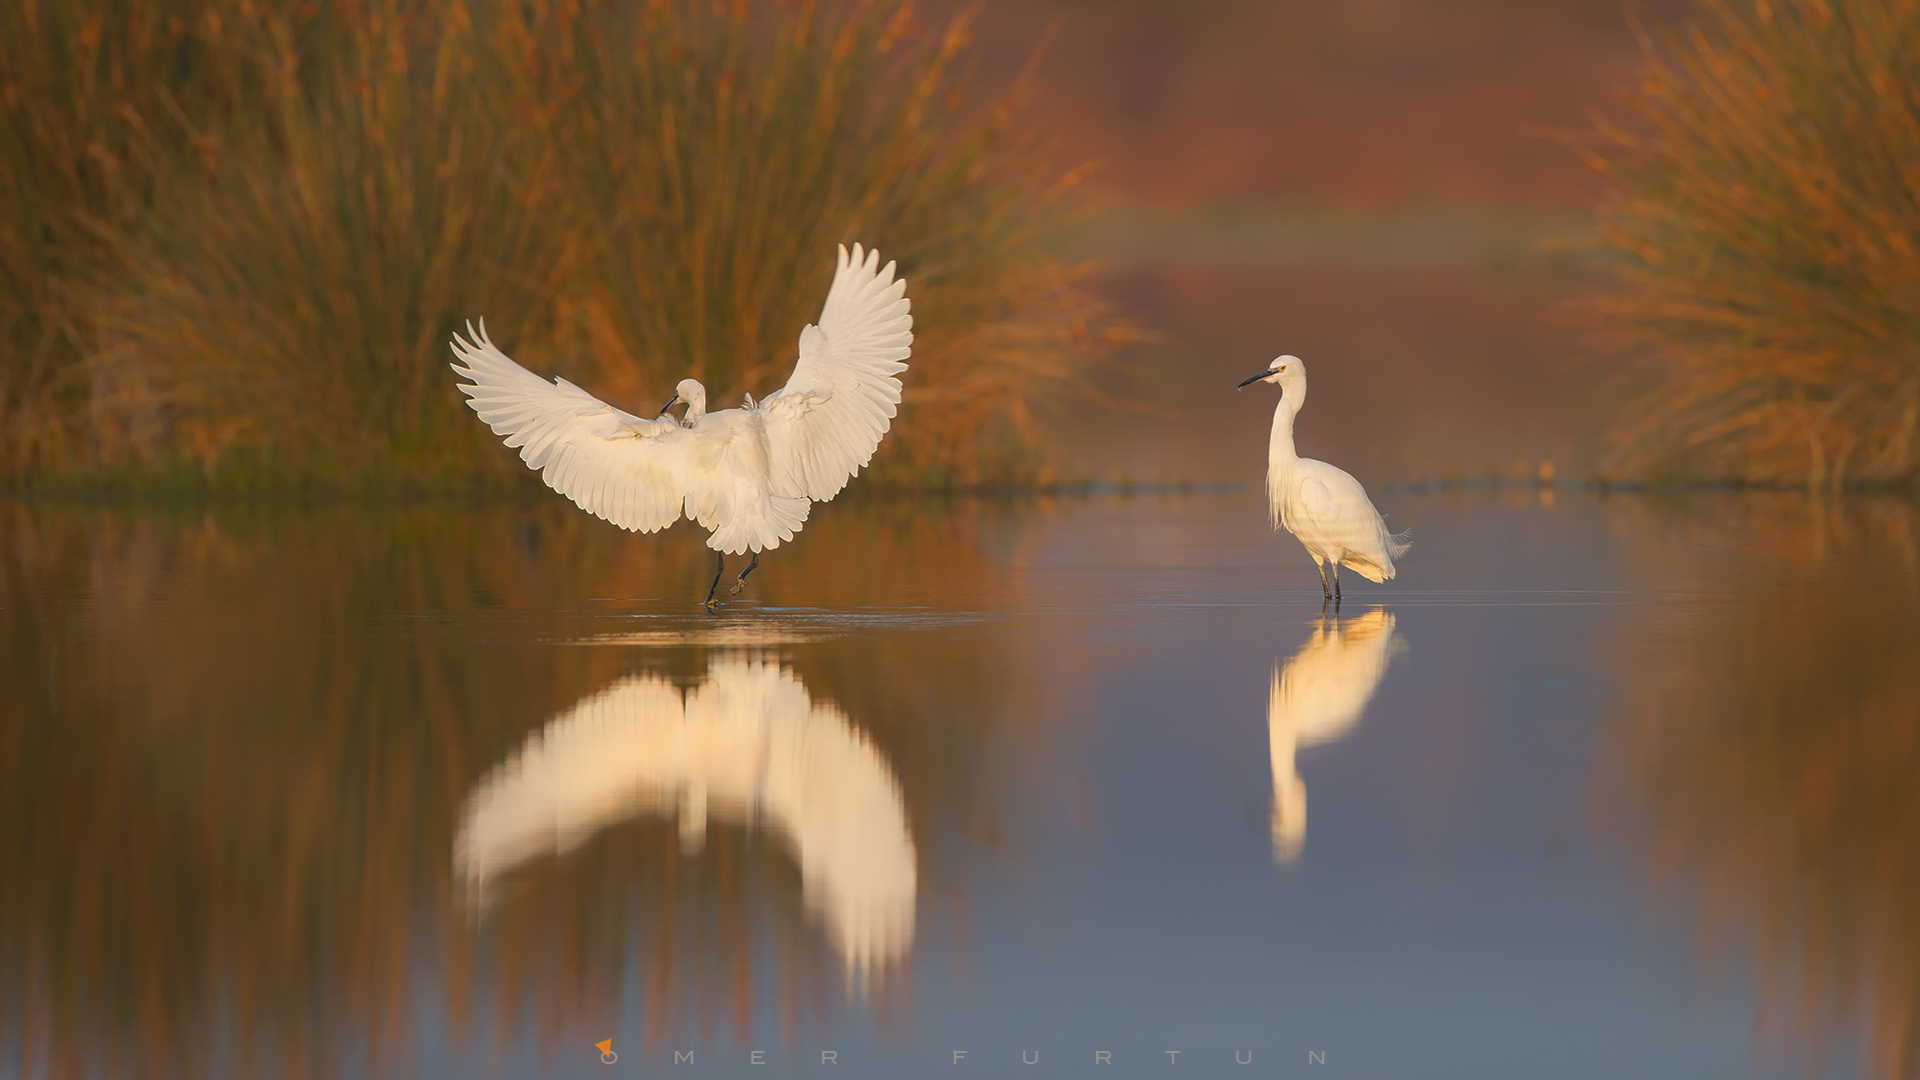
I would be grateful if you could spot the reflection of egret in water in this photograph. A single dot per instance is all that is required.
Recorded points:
(257, 870)
(748, 745)
(1317, 696)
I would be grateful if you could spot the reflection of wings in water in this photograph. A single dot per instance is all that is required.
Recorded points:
(747, 745)
(1317, 697)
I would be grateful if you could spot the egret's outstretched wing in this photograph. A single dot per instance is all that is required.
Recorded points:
(823, 426)
(613, 464)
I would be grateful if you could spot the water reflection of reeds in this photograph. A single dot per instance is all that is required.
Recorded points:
(235, 744)
(1763, 763)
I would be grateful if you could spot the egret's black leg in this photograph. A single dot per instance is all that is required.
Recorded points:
(720, 567)
(741, 583)
(1336, 586)
(1325, 593)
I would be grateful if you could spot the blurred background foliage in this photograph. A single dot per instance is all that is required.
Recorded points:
(235, 234)
(1767, 224)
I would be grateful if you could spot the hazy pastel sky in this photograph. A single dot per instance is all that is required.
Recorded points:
(1374, 186)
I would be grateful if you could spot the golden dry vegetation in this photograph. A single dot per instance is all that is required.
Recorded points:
(235, 235)
(1767, 222)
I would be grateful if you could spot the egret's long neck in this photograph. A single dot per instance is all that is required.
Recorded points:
(1280, 452)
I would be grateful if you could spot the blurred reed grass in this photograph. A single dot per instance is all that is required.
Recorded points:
(87, 97)
(1767, 221)
(306, 199)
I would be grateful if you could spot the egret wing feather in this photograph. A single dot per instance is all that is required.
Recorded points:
(824, 425)
(627, 469)
(1334, 518)
(1316, 499)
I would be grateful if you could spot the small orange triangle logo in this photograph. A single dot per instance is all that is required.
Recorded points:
(605, 1047)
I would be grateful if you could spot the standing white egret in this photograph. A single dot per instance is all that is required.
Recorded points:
(748, 475)
(1324, 508)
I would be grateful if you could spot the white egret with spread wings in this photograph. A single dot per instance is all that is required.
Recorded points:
(747, 475)
(1323, 507)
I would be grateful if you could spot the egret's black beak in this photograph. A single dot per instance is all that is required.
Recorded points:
(671, 402)
(1255, 379)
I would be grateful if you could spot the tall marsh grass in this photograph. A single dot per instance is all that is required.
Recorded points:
(287, 304)
(631, 193)
(774, 143)
(1768, 221)
(88, 96)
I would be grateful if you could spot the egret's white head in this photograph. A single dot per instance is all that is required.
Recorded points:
(1286, 372)
(693, 394)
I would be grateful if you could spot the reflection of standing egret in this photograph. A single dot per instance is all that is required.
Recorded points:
(746, 744)
(1322, 506)
(1317, 697)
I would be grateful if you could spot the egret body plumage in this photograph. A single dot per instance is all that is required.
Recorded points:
(747, 475)
(1323, 507)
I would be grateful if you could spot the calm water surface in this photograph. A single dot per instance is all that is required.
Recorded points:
(1598, 788)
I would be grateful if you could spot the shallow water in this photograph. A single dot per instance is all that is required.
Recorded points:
(1596, 788)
